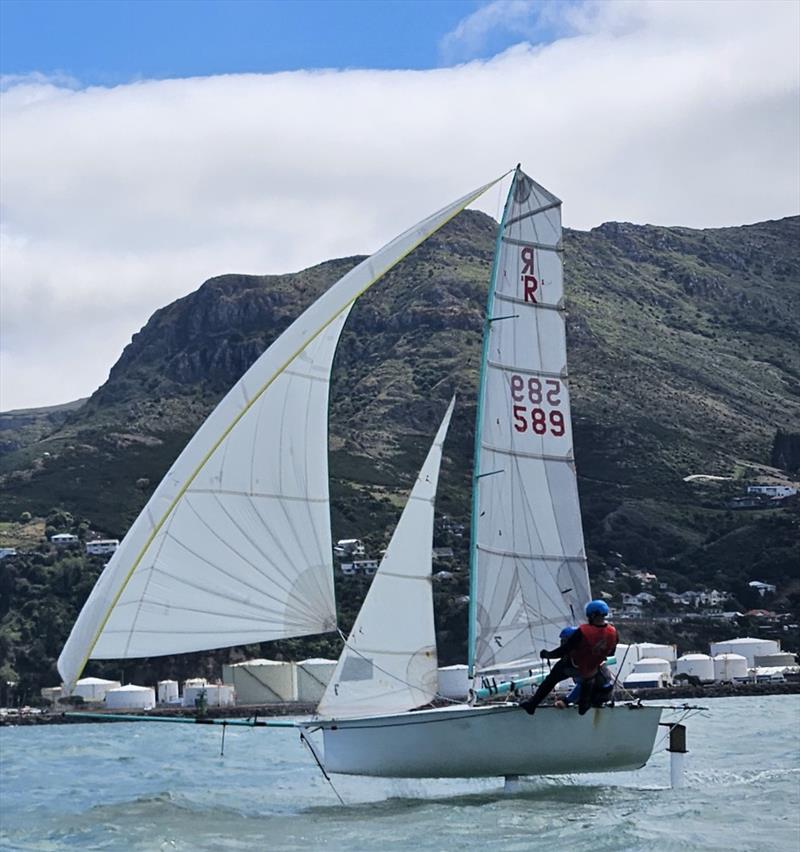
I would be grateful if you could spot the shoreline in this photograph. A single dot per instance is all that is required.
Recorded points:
(246, 711)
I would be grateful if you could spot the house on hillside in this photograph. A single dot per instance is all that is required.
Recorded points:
(637, 600)
(362, 566)
(64, 540)
(762, 588)
(101, 546)
(780, 491)
(443, 553)
(349, 547)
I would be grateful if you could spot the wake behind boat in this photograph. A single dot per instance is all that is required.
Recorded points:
(234, 546)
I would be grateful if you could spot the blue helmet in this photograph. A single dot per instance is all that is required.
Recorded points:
(566, 633)
(596, 608)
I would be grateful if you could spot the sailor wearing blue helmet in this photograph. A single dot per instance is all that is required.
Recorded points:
(582, 653)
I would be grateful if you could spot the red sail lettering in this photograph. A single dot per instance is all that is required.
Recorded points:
(529, 284)
(527, 260)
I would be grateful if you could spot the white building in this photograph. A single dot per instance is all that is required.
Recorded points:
(762, 588)
(7, 551)
(63, 539)
(349, 547)
(772, 490)
(101, 546)
(646, 680)
(361, 566)
(638, 599)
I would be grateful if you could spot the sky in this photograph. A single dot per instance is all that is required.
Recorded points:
(148, 146)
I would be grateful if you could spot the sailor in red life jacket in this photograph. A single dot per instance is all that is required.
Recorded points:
(582, 655)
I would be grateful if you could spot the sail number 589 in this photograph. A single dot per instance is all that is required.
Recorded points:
(537, 399)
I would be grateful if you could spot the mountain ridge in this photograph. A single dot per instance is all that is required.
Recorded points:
(684, 358)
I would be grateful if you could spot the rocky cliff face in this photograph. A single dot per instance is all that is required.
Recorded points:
(684, 356)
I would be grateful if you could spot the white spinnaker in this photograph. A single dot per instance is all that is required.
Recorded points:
(204, 565)
(389, 663)
(530, 565)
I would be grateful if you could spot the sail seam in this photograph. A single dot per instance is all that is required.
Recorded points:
(251, 494)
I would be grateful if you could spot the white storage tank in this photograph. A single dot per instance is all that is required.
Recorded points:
(94, 688)
(312, 678)
(646, 680)
(662, 652)
(696, 665)
(653, 664)
(729, 667)
(262, 681)
(168, 692)
(194, 686)
(453, 682)
(784, 658)
(747, 647)
(131, 697)
(51, 693)
(214, 694)
(627, 656)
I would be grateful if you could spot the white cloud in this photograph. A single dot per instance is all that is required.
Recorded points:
(503, 18)
(117, 201)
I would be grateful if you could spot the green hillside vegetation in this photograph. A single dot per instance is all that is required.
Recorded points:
(684, 353)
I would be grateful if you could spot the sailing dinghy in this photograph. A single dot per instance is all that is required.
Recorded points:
(234, 546)
(528, 574)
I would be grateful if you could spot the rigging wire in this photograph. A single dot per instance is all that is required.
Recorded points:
(307, 743)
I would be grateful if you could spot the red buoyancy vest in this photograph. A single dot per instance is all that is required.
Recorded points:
(596, 644)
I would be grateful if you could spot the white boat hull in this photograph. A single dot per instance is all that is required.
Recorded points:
(474, 742)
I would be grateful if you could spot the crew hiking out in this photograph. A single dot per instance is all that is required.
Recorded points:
(581, 655)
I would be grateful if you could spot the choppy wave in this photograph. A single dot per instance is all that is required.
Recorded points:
(128, 787)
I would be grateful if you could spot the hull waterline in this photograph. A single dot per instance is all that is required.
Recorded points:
(475, 742)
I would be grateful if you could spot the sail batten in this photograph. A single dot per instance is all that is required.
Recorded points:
(255, 471)
(528, 567)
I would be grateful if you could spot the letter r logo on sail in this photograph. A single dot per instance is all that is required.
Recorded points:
(528, 279)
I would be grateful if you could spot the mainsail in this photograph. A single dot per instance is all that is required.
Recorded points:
(389, 663)
(528, 567)
(233, 547)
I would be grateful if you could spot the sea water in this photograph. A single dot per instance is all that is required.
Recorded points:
(151, 786)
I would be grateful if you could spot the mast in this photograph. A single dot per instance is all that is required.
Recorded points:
(476, 458)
